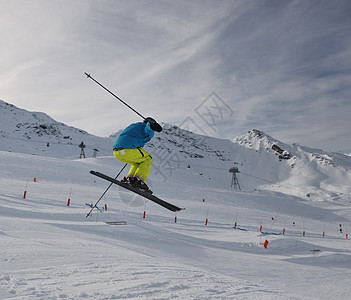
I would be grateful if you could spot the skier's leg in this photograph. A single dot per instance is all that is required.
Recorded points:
(128, 156)
(133, 169)
(139, 159)
(144, 167)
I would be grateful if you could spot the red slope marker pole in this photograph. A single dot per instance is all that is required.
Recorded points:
(25, 191)
(208, 210)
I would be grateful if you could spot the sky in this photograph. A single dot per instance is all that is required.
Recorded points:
(220, 68)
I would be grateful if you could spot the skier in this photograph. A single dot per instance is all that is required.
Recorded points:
(128, 148)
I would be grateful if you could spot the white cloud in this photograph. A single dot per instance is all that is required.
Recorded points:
(275, 64)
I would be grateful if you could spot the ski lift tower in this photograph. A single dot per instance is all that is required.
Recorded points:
(82, 146)
(95, 151)
(235, 181)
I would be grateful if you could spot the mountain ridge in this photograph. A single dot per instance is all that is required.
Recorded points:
(263, 161)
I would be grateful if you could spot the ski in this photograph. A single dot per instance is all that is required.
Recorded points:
(151, 197)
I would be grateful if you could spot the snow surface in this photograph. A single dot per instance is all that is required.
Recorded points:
(52, 251)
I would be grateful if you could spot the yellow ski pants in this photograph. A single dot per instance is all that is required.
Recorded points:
(139, 159)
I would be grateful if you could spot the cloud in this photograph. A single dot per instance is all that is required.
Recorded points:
(282, 67)
(290, 64)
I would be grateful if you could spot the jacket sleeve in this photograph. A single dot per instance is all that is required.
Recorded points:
(148, 130)
(149, 133)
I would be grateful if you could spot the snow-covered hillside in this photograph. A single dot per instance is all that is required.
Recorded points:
(51, 251)
(295, 198)
(302, 171)
(36, 133)
(263, 162)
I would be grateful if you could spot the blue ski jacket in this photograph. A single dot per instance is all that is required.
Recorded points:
(134, 136)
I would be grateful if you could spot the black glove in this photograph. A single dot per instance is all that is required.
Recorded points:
(156, 127)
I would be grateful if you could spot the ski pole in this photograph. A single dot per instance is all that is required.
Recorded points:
(89, 76)
(89, 213)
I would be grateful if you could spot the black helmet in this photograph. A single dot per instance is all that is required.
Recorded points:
(153, 124)
(149, 120)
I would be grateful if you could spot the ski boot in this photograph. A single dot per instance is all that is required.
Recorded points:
(141, 185)
(127, 179)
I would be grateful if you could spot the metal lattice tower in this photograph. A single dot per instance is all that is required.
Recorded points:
(95, 151)
(235, 181)
(82, 146)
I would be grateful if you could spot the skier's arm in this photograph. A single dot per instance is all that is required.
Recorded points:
(148, 129)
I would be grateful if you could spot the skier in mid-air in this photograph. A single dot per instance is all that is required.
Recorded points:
(128, 149)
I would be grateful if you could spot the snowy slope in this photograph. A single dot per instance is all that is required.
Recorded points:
(263, 162)
(51, 251)
(36, 133)
(311, 173)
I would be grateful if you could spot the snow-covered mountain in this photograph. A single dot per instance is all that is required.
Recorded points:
(301, 170)
(226, 243)
(36, 133)
(263, 162)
